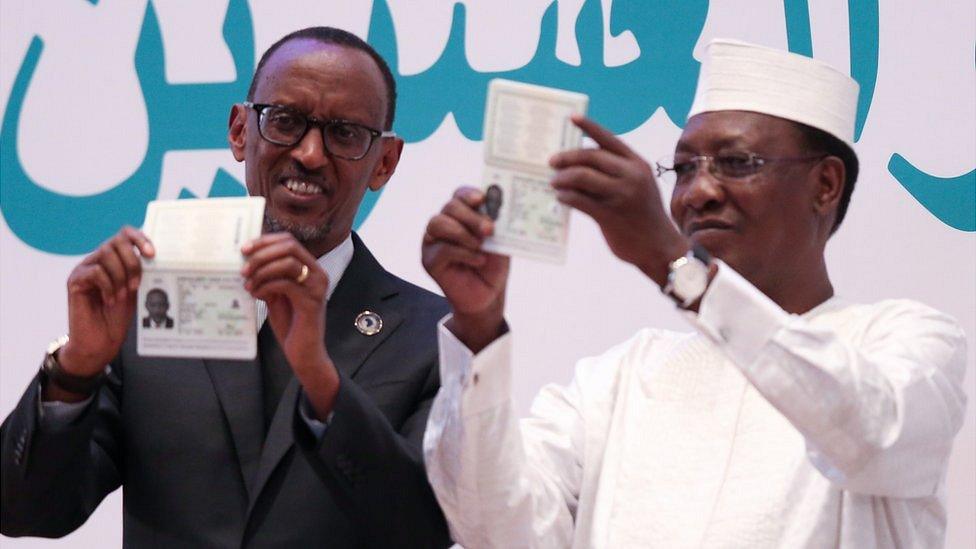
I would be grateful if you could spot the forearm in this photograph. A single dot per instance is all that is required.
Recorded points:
(377, 471)
(480, 465)
(51, 481)
(320, 384)
(477, 331)
(875, 391)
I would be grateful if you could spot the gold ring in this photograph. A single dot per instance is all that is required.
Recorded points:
(302, 275)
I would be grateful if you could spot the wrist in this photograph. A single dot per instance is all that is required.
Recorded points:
(51, 392)
(689, 277)
(77, 364)
(476, 331)
(64, 385)
(658, 265)
(321, 386)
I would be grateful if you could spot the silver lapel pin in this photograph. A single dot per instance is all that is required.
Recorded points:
(369, 323)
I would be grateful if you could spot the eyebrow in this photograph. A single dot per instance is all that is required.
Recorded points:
(312, 116)
(727, 142)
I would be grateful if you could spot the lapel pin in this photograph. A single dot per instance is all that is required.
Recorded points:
(369, 323)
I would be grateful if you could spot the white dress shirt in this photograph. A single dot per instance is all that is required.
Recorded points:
(55, 415)
(763, 429)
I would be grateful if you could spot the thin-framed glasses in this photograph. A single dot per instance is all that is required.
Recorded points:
(679, 169)
(286, 126)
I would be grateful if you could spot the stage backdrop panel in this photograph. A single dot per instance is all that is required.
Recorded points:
(110, 104)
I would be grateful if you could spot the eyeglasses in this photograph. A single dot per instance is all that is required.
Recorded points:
(680, 170)
(286, 126)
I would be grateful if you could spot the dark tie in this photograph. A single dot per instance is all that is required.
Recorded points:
(275, 372)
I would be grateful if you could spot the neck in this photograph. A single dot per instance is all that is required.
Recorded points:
(801, 289)
(321, 247)
(318, 247)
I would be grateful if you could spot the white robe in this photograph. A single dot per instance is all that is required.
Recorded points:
(764, 429)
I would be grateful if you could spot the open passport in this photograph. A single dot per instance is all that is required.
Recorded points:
(192, 301)
(524, 126)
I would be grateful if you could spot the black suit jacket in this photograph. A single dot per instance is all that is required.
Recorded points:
(185, 440)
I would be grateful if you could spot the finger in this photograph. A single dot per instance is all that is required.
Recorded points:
(95, 277)
(444, 228)
(274, 249)
(123, 248)
(603, 137)
(140, 241)
(286, 267)
(443, 255)
(470, 217)
(598, 159)
(265, 240)
(292, 291)
(581, 202)
(469, 195)
(273, 289)
(89, 275)
(110, 261)
(588, 181)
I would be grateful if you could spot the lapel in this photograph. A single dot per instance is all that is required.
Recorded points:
(238, 387)
(278, 442)
(364, 285)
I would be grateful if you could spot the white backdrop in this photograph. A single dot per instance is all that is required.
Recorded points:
(86, 126)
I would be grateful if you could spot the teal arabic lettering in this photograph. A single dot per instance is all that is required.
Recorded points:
(951, 199)
(188, 116)
(192, 116)
(622, 98)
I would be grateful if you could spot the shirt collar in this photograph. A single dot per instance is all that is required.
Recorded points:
(335, 261)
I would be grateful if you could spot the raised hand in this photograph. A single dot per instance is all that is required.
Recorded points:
(616, 187)
(472, 280)
(102, 293)
(283, 274)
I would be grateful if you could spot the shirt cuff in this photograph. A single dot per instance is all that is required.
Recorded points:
(737, 317)
(305, 411)
(55, 415)
(485, 379)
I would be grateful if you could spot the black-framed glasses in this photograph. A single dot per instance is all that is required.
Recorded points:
(286, 126)
(680, 169)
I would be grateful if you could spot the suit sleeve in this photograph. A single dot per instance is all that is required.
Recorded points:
(54, 477)
(376, 471)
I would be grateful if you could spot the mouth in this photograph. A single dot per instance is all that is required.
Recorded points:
(303, 188)
(709, 225)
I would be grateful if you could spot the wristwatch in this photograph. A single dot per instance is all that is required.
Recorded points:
(51, 372)
(688, 277)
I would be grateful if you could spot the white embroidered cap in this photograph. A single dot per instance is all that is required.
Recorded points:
(745, 77)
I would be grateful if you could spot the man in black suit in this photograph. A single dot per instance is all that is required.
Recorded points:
(157, 304)
(314, 443)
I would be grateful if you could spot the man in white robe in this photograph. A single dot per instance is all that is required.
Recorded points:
(789, 418)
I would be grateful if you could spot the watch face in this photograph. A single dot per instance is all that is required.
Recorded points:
(56, 344)
(690, 280)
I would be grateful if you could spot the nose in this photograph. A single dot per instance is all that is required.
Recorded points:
(704, 191)
(310, 151)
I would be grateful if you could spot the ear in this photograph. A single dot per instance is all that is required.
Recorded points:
(237, 130)
(387, 164)
(829, 187)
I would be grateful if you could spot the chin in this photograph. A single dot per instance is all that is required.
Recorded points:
(302, 231)
(717, 247)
